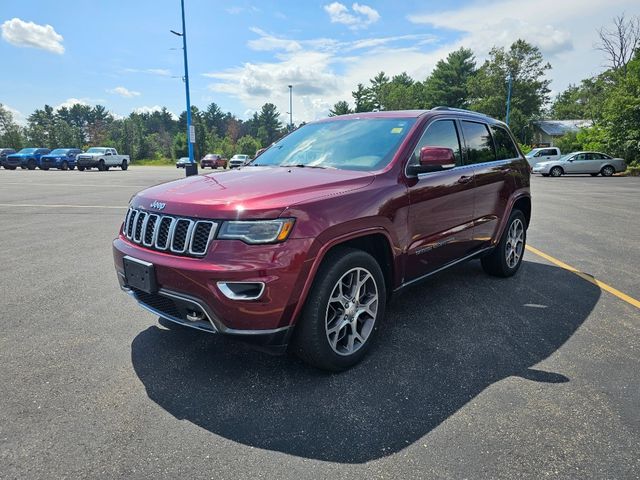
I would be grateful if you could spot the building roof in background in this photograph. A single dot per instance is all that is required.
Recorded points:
(556, 128)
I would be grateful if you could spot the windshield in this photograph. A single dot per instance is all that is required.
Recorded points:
(97, 150)
(59, 151)
(28, 150)
(355, 144)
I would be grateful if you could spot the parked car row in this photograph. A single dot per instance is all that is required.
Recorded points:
(549, 161)
(215, 160)
(101, 158)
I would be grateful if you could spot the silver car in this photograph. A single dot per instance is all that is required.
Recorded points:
(238, 161)
(593, 163)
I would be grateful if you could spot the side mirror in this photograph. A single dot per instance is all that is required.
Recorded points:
(433, 159)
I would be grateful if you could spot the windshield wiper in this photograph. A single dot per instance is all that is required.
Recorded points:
(303, 165)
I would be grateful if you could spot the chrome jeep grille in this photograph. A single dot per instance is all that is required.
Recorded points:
(179, 235)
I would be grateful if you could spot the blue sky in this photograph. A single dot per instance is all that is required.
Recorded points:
(244, 53)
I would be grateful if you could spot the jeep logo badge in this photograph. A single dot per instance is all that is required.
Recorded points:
(157, 205)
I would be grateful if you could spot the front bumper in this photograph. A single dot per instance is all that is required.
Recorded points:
(87, 162)
(188, 291)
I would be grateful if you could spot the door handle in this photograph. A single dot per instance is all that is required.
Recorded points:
(465, 179)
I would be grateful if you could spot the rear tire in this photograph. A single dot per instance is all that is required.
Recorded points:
(506, 258)
(81, 169)
(343, 311)
(124, 165)
(607, 171)
(556, 172)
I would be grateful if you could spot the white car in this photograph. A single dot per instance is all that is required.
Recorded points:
(238, 161)
(593, 163)
(543, 154)
(103, 158)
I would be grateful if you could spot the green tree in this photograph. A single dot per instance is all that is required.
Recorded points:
(270, 127)
(340, 108)
(400, 93)
(530, 87)
(247, 146)
(378, 84)
(448, 84)
(10, 132)
(363, 99)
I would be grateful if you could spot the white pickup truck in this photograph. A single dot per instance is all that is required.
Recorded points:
(102, 158)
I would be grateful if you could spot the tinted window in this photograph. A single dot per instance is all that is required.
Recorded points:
(479, 143)
(505, 149)
(442, 133)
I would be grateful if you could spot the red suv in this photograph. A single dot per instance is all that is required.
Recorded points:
(303, 248)
(213, 160)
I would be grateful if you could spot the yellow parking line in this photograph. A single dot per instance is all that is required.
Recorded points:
(587, 277)
(59, 206)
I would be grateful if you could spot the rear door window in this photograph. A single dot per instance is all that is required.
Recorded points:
(505, 148)
(478, 141)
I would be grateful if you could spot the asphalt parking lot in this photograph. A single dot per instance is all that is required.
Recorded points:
(473, 377)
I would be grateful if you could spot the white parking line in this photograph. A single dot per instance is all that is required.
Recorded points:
(72, 185)
(60, 206)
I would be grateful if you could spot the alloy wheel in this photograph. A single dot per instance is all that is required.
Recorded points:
(515, 243)
(351, 311)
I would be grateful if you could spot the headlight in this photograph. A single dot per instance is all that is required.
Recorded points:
(257, 231)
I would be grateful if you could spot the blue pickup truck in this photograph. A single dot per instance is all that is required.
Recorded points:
(61, 158)
(25, 158)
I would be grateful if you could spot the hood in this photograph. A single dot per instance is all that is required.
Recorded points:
(21, 155)
(85, 154)
(252, 192)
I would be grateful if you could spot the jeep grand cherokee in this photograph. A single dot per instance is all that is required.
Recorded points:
(302, 248)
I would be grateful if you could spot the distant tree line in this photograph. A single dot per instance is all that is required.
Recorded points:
(153, 135)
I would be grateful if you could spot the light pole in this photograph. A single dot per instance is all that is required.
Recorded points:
(290, 107)
(510, 80)
(193, 168)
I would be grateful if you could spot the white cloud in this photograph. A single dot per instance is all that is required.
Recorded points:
(17, 115)
(268, 42)
(162, 72)
(124, 92)
(28, 34)
(311, 68)
(151, 109)
(361, 16)
(69, 102)
(566, 36)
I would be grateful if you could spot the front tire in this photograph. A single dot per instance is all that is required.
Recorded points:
(607, 171)
(506, 258)
(64, 166)
(31, 164)
(343, 311)
(80, 169)
(556, 172)
(101, 166)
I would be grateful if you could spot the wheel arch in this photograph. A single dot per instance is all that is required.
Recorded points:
(375, 241)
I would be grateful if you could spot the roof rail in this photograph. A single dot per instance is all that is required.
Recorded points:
(462, 110)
